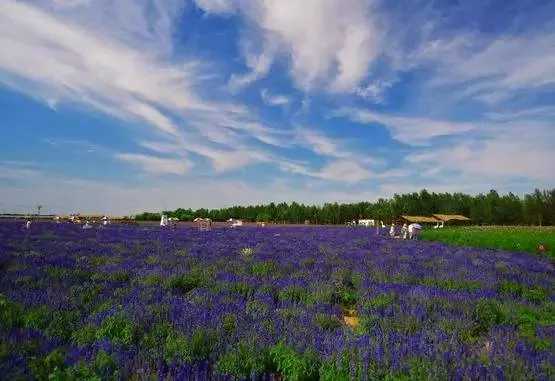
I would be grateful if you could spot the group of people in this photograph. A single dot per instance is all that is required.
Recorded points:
(410, 232)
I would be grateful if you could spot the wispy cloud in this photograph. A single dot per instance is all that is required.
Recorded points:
(329, 42)
(341, 170)
(123, 69)
(409, 130)
(154, 164)
(273, 100)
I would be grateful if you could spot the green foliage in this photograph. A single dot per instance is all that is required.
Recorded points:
(289, 314)
(523, 239)
(326, 322)
(85, 335)
(197, 346)
(257, 308)
(380, 301)
(242, 288)
(41, 368)
(488, 313)
(78, 372)
(36, 318)
(100, 260)
(157, 335)
(515, 289)
(491, 208)
(292, 366)
(292, 294)
(85, 294)
(229, 323)
(244, 360)
(261, 269)
(183, 283)
(120, 276)
(119, 328)
(152, 260)
(63, 323)
(10, 313)
(104, 363)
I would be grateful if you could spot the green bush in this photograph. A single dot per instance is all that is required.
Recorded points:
(10, 313)
(157, 335)
(244, 360)
(379, 302)
(63, 323)
(119, 328)
(85, 335)
(326, 322)
(41, 368)
(152, 260)
(197, 346)
(292, 366)
(292, 294)
(488, 313)
(263, 268)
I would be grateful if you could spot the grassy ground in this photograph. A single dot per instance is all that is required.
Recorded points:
(513, 238)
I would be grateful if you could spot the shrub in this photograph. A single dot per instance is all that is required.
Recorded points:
(63, 323)
(119, 328)
(152, 260)
(10, 313)
(488, 313)
(326, 322)
(292, 294)
(263, 268)
(292, 366)
(36, 318)
(197, 346)
(244, 360)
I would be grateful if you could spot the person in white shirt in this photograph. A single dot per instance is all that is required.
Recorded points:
(404, 231)
(392, 230)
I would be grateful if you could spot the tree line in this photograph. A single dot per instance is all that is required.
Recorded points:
(537, 208)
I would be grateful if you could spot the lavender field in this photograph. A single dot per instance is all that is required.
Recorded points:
(274, 303)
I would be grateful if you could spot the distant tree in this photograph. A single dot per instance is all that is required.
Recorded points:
(534, 209)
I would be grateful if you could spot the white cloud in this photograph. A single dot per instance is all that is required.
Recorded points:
(273, 100)
(123, 69)
(156, 164)
(509, 152)
(10, 170)
(341, 170)
(496, 70)
(412, 131)
(319, 143)
(374, 91)
(527, 113)
(329, 42)
(259, 61)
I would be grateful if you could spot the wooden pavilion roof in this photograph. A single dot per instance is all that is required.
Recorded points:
(422, 219)
(450, 217)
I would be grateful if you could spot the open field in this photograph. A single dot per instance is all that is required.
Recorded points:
(512, 238)
(295, 303)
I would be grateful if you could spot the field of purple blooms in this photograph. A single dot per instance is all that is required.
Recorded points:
(145, 303)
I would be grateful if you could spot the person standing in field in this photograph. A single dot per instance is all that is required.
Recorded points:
(414, 230)
(28, 224)
(404, 231)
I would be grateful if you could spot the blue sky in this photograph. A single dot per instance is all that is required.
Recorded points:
(123, 106)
